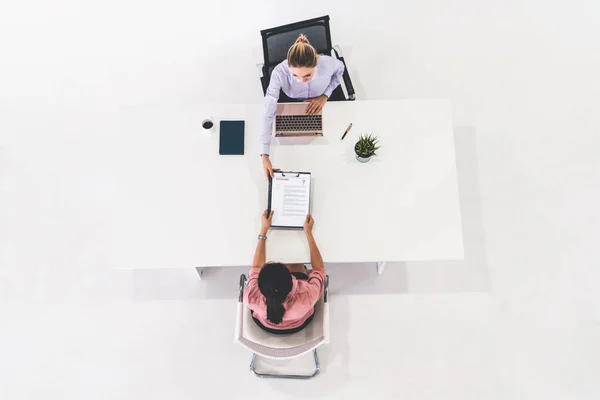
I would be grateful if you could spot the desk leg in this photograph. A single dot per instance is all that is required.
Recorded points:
(199, 271)
(380, 267)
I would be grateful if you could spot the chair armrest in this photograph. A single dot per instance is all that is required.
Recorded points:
(348, 83)
(337, 52)
(242, 287)
(326, 332)
(240, 310)
(326, 325)
(264, 79)
(264, 82)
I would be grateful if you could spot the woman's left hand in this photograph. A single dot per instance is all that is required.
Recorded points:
(316, 105)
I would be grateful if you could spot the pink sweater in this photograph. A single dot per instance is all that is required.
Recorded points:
(299, 304)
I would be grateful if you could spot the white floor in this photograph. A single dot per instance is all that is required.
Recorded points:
(518, 319)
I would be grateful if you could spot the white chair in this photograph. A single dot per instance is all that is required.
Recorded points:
(281, 347)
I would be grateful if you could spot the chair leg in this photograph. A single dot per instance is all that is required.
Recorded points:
(284, 376)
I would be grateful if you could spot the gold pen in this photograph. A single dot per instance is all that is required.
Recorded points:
(347, 130)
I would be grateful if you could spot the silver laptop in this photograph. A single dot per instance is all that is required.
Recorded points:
(291, 120)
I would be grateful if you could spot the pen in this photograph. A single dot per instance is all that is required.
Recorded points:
(347, 130)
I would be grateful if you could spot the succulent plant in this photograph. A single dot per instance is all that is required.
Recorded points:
(366, 146)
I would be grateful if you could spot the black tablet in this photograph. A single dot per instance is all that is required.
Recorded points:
(231, 138)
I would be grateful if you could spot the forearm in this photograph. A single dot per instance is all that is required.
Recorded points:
(270, 109)
(260, 252)
(265, 136)
(315, 255)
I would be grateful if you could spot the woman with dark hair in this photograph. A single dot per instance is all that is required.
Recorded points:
(282, 297)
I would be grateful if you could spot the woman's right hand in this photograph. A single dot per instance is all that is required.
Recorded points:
(267, 167)
(309, 222)
(265, 220)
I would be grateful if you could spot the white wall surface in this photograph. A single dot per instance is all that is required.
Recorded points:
(518, 319)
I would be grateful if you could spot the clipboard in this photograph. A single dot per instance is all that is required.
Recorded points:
(290, 197)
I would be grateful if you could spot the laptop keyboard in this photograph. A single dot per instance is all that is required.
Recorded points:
(299, 122)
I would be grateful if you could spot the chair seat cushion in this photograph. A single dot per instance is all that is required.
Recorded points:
(283, 346)
(253, 332)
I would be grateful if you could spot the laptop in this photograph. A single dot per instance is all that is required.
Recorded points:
(291, 120)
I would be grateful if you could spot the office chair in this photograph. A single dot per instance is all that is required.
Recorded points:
(281, 347)
(277, 41)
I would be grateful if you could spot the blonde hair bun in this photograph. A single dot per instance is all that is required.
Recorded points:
(302, 54)
(302, 39)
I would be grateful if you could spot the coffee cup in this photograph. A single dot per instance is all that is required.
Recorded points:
(208, 125)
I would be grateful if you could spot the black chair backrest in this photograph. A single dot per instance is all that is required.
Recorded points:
(277, 41)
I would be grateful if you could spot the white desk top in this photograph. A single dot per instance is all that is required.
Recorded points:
(178, 203)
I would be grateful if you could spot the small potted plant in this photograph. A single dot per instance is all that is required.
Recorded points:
(366, 147)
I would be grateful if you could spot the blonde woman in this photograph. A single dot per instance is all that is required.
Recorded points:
(305, 75)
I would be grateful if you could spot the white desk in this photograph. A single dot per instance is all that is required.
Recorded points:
(178, 203)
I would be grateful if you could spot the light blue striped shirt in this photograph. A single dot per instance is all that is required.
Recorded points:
(328, 75)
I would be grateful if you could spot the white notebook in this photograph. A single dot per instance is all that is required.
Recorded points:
(289, 198)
